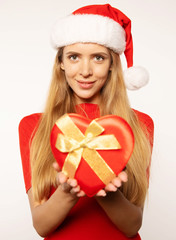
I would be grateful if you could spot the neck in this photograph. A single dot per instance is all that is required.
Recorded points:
(93, 100)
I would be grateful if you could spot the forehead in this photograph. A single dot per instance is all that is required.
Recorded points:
(87, 48)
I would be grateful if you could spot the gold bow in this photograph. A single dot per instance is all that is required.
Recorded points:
(79, 145)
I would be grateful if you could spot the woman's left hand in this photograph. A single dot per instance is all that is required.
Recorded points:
(114, 184)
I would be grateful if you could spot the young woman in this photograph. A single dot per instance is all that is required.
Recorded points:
(87, 79)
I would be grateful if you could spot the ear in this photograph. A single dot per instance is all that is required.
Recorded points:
(62, 66)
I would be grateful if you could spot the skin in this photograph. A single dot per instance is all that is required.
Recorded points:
(86, 69)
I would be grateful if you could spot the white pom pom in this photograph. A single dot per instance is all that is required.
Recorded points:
(135, 77)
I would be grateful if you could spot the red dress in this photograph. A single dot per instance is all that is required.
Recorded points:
(86, 220)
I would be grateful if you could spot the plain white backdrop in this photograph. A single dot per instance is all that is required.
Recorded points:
(26, 60)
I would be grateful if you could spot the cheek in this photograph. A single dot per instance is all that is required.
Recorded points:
(70, 71)
(102, 72)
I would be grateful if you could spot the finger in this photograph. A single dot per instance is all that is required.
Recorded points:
(110, 188)
(56, 166)
(61, 178)
(75, 190)
(123, 176)
(101, 193)
(81, 194)
(72, 182)
(66, 187)
(117, 182)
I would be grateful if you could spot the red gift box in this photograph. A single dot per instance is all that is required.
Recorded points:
(93, 152)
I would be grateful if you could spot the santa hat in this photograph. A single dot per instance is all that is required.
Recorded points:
(104, 25)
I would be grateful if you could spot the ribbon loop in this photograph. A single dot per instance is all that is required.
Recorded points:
(79, 145)
(94, 129)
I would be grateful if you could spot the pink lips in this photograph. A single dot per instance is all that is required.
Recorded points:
(85, 84)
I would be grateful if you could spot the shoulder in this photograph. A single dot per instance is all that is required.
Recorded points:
(28, 124)
(30, 120)
(147, 124)
(144, 118)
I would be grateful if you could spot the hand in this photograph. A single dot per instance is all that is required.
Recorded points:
(114, 184)
(68, 185)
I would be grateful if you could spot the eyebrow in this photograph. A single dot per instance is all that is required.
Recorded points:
(72, 52)
(93, 54)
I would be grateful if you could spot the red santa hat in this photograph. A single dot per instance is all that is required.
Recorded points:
(106, 26)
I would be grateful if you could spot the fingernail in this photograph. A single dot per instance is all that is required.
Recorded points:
(104, 194)
(73, 183)
(113, 188)
(81, 194)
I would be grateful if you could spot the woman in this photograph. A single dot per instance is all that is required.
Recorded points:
(87, 79)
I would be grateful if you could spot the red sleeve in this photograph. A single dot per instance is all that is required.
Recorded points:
(147, 122)
(26, 128)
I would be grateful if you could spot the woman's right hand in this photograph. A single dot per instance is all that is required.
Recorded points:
(50, 213)
(68, 185)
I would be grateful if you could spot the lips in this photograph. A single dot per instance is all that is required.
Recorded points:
(85, 84)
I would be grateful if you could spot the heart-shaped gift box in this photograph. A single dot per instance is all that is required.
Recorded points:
(93, 152)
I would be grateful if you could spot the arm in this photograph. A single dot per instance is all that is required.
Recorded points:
(126, 216)
(48, 215)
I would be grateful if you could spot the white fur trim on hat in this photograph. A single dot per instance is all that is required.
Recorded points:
(135, 77)
(87, 28)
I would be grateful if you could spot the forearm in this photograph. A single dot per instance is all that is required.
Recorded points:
(126, 216)
(49, 215)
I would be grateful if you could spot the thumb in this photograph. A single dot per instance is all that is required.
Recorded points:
(56, 167)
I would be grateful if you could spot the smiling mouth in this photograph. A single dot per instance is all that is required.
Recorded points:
(85, 84)
(89, 82)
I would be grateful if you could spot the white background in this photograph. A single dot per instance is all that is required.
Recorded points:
(26, 61)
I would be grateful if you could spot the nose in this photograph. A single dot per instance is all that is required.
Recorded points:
(86, 68)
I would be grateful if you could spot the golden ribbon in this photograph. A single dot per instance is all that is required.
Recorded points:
(79, 145)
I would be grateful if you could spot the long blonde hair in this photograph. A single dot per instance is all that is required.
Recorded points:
(60, 101)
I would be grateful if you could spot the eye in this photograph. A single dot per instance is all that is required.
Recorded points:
(99, 58)
(73, 57)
